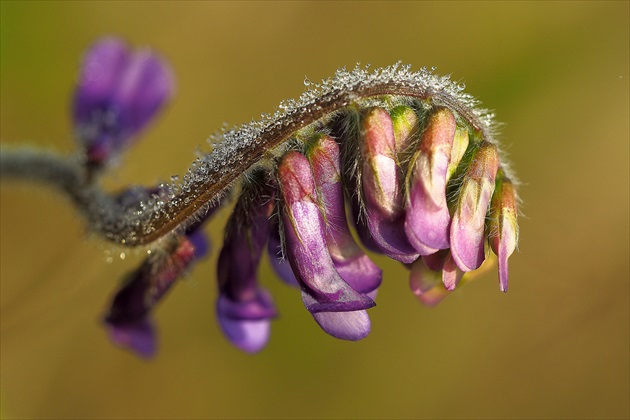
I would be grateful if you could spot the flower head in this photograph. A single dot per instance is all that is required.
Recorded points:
(409, 155)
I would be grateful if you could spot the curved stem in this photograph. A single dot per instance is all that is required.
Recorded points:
(210, 177)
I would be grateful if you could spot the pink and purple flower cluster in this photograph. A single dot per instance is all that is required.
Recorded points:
(418, 182)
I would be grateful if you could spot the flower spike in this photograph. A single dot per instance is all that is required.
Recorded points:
(415, 156)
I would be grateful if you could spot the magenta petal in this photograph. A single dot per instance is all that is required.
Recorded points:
(427, 218)
(381, 184)
(451, 274)
(468, 224)
(426, 284)
(352, 264)
(435, 261)
(353, 325)
(323, 290)
(139, 337)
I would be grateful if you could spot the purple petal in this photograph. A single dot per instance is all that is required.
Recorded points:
(246, 235)
(380, 174)
(426, 284)
(100, 71)
(200, 242)
(117, 94)
(281, 266)
(144, 86)
(382, 186)
(243, 307)
(467, 227)
(352, 264)
(353, 325)
(427, 218)
(451, 274)
(250, 336)
(247, 324)
(145, 287)
(435, 261)
(139, 337)
(258, 306)
(323, 290)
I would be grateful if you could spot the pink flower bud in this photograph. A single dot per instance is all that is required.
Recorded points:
(467, 227)
(427, 218)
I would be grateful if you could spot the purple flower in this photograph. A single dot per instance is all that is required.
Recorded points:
(351, 262)
(118, 93)
(323, 289)
(381, 183)
(427, 218)
(245, 309)
(128, 319)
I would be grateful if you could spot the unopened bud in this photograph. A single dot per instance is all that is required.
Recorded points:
(467, 227)
(503, 227)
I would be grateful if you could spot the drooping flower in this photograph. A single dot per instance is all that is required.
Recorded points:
(351, 262)
(244, 308)
(427, 218)
(381, 183)
(335, 305)
(128, 318)
(117, 94)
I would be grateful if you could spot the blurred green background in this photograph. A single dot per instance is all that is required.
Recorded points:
(555, 346)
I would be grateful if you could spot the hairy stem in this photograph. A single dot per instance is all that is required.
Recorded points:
(211, 176)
